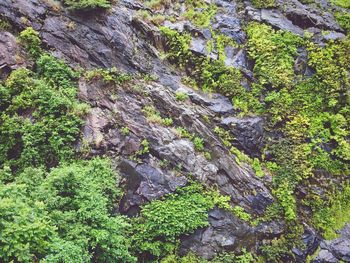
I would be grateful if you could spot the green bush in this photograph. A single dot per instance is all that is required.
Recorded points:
(40, 114)
(162, 221)
(63, 215)
(87, 4)
(30, 39)
(344, 20)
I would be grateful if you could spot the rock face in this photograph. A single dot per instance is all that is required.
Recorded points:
(336, 249)
(118, 39)
(8, 52)
(225, 232)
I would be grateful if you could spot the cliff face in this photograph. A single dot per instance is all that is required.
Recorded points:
(152, 110)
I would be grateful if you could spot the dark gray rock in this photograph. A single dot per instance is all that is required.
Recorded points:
(249, 133)
(9, 51)
(226, 232)
(145, 183)
(310, 241)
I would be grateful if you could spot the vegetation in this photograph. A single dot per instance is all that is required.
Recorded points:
(180, 213)
(87, 4)
(264, 4)
(63, 215)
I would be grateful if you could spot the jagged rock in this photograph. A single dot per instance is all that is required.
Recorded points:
(324, 256)
(249, 133)
(228, 22)
(145, 183)
(336, 249)
(310, 241)
(8, 54)
(226, 232)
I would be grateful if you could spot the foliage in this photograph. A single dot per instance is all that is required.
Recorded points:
(264, 4)
(162, 221)
(342, 3)
(200, 13)
(198, 143)
(111, 75)
(63, 215)
(181, 96)
(343, 20)
(210, 75)
(87, 4)
(335, 215)
(40, 114)
(30, 39)
(273, 52)
(154, 116)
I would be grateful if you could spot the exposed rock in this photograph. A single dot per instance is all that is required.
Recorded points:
(248, 131)
(8, 53)
(336, 249)
(226, 232)
(145, 183)
(310, 241)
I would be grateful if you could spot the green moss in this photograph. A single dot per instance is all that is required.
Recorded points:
(343, 20)
(264, 4)
(342, 3)
(274, 53)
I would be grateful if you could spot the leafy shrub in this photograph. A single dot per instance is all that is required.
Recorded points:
(63, 215)
(342, 3)
(162, 221)
(344, 20)
(274, 53)
(40, 114)
(181, 96)
(30, 39)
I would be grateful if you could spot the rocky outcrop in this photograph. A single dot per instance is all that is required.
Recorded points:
(119, 39)
(226, 232)
(9, 59)
(336, 249)
(124, 108)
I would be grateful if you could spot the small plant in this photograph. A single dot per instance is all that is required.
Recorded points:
(168, 121)
(198, 143)
(125, 131)
(112, 75)
(240, 213)
(264, 4)
(257, 168)
(181, 96)
(183, 133)
(207, 156)
(144, 147)
(30, 39)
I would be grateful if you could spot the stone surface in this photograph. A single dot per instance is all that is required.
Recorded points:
(226, 232)
(336, 249)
